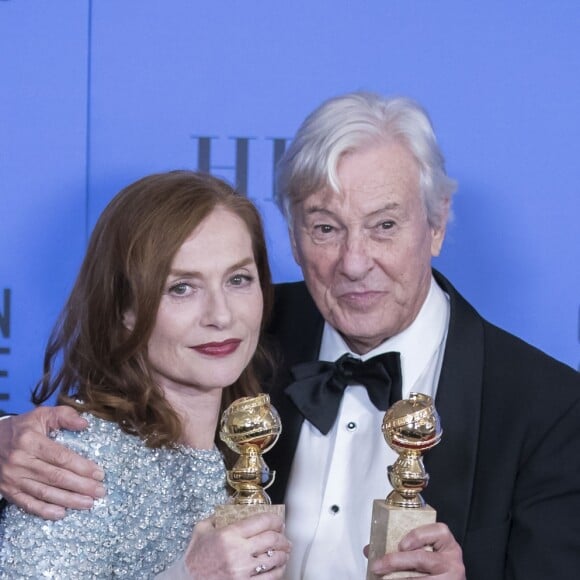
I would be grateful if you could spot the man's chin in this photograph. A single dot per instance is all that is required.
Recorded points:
(361, 303)
(359, 337)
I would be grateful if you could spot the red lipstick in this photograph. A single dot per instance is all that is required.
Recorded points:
(218, 348)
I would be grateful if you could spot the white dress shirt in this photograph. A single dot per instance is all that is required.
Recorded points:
(335, 477)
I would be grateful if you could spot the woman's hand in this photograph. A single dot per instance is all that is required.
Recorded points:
(255, 546)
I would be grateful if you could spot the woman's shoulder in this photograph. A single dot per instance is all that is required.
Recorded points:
(102, 441)
(105, 443)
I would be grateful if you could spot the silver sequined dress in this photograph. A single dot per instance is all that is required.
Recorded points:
(154, 498)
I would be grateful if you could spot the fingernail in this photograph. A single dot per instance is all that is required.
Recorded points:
(98, 474)
(87, 502)
(100, 491)
(404, 545)
(56, 513)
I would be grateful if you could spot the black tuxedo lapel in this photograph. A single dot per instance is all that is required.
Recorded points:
(451, 465)
(296, 333)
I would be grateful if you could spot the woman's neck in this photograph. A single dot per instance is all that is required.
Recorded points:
(199, 415)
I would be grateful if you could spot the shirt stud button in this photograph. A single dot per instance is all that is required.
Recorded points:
(351, 426)
(334, 509)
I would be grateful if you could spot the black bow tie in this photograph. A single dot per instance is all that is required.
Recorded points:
(319, 385)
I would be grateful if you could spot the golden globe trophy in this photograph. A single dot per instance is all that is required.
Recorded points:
(250, 426)
(410, 427)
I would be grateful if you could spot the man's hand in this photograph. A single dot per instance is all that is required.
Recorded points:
(39, 475)
(255, 546)
(444, 562)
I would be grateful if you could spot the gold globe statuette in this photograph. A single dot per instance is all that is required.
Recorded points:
(250, 426)
(410, 427)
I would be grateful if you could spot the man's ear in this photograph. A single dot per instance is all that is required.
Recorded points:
(438, 234)
(295, 252)
(129, 320)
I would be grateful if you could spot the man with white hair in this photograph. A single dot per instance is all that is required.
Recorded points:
(364, 189)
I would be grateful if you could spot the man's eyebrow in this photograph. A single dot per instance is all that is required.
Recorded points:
(320, 209)
(387, 207)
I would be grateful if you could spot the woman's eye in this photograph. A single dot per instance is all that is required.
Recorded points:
(240, 280)
(179, 289)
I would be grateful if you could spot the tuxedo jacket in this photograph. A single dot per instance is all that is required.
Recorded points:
(506, 476)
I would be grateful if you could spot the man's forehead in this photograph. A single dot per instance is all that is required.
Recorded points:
(365, 201)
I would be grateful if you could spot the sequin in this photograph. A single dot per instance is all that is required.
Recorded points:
(154, 499)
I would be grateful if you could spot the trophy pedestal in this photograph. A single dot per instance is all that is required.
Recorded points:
(230, 513)
(389, 525)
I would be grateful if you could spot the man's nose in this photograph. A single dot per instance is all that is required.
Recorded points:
(356, 259)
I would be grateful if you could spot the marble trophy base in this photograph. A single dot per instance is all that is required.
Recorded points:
(389, 525)
(230, 513)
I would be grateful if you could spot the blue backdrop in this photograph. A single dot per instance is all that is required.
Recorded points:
(94, 94)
